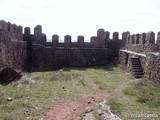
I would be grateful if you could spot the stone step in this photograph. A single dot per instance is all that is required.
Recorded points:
(138, 73)
(137, 76)
(134, 58)
(137, 70)
(136, 65)
(135, 61)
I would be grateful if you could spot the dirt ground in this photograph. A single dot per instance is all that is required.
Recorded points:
(74, 110)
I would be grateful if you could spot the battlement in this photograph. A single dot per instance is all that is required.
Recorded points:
(31, 52)
(13, 49)
(142, 43)
(13, 32)
(145, 49)
(10, 32)
(98, 41)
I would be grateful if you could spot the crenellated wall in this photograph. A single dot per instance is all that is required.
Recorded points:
(99, 41)
(10, 32)
(31, 52)
(142, 43)
(13, 49)
(144, 47)
(44, 56)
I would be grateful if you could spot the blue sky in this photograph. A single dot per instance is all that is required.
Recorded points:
(83, 17)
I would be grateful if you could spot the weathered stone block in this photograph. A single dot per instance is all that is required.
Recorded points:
(55, 40)
(115, 36)
(20, 29)
(158, 41)
(38, 30)
(8, 75)
(107, 35)
(80, 40)
(27, 31)
(150, 37)
(101, 36)
(67, 40)
(128, 39)
(136, 38)
(132, 39)
(94, 41)
(124, 35)
(142, 38)
(43, 38)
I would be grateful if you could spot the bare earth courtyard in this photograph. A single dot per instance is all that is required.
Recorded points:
(73, 94)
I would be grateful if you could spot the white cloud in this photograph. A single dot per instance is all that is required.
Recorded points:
(83, 17)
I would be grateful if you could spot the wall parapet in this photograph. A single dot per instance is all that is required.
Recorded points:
(98, 41)
(10, 32)
(142, 43)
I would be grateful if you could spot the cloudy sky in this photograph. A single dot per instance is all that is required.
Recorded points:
(83, 17)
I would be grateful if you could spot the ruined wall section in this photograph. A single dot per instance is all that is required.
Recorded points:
(12, 47)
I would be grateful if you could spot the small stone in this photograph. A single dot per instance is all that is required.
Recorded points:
(89, 102)
(27, 118)
(9, 99)
(88, 109)
(101, 114)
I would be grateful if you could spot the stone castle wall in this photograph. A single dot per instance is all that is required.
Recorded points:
(142, 43)
(13, 49)
(31, 52)
(44, 56)
(144, 47)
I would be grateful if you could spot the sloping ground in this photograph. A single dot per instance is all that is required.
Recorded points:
(67, 94)
(75, 109)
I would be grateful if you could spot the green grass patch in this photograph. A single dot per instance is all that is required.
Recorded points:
(116, 106)
(145, 92)
(144, 99)
(39, 91)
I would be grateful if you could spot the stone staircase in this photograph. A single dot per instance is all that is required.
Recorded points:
(137, 70)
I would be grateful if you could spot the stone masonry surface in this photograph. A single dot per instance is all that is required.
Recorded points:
(26, 52)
